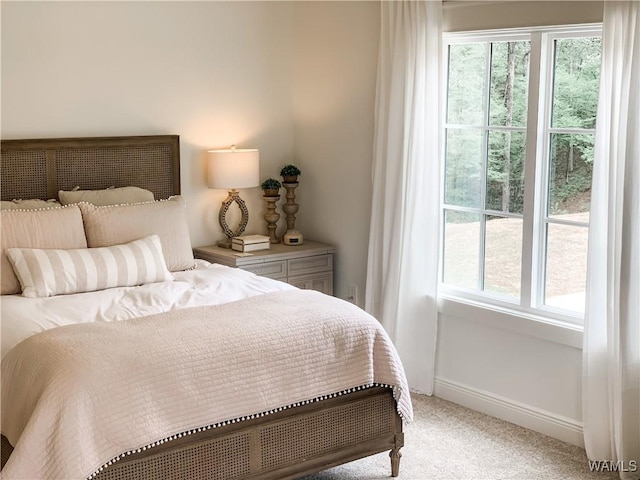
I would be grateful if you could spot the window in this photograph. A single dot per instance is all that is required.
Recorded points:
(518, 160)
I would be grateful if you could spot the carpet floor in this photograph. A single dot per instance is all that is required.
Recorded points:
(447, 441)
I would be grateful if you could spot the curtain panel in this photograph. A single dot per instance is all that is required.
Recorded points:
(611, 354)
(404, 233)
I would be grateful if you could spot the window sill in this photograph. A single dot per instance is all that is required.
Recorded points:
(537, 326)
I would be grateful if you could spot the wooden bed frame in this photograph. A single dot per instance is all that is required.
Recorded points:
(289, 444)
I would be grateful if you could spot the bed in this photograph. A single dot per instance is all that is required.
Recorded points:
(303, 433)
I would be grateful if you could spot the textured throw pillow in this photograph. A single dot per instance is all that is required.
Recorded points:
(28, 204)
(108, 196)
(113, 225)
(48, 228)
(45, 273)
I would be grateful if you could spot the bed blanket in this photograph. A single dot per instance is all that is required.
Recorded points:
(75, 397)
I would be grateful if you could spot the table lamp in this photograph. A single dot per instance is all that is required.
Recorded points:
(230, 170)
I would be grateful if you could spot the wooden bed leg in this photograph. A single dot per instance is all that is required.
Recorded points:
(395, 461)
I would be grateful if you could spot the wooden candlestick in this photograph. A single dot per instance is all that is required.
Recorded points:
(291, 236)
(272, 217)
(290, 207)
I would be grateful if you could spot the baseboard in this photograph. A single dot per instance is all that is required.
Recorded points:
(545, 422)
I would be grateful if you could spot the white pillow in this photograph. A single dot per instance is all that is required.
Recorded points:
(49, 272)
(59, 227)
(108, 196)
(116, 224)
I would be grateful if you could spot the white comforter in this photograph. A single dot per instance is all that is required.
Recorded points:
(208, 284)
(66, 391)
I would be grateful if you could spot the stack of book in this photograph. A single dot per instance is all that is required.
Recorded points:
(250, 243)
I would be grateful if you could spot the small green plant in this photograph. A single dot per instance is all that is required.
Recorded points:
(290, 171)
(270, 184)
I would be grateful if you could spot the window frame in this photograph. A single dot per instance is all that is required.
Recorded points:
(536, 173)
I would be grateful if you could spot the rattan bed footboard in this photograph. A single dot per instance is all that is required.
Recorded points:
(284, 445)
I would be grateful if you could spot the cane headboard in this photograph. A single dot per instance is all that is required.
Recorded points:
(39, 168)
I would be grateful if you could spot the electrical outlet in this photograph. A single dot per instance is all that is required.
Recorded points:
(352, 295)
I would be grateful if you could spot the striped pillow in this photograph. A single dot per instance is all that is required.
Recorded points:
(49, 272)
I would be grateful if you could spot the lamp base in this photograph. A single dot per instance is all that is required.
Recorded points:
(226, 243)
(233, 196)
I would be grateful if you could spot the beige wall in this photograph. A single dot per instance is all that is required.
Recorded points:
(216, 73)
(468, 15)
(335, 62)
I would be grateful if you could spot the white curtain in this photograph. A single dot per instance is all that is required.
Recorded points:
(403, 239)
(611, 367)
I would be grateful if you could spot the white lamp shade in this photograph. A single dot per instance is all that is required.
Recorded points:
(235, 168)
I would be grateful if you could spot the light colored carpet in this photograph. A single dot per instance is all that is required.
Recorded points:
(447, 441)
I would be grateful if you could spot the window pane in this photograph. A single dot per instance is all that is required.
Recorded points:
(509, 83)
(463, 167)
(566, 267)
(461, 249)
(570, 172)
(466, 83)
(505, 171)
(503, 255)
(576, 82)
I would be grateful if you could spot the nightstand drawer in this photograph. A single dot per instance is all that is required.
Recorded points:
(309, 265)
(271, 269)
(322, 282)
(313, 264)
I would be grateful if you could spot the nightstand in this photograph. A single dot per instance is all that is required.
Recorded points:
(308, 266)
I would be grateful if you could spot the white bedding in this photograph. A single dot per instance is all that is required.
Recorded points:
(167, 375)
(208, 284)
